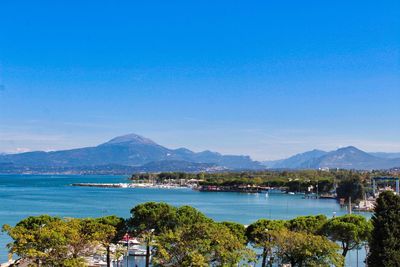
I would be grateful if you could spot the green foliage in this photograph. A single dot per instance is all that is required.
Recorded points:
(200, 244)
(117, 223)
(110, 230)
(350, 186)
(227, 248)
(237, 230)
(39, 239)
(304, 249)
(262, 234)
(74, 263)
(183, 236)
(258, 233)
(152, 216)
(184, 247)
(301, 247)
(350, 230)
(36, 222)
(52, 241)
(385, 238)
(309, 224)
(187, 215)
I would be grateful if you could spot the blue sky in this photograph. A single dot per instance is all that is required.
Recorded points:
(263, 78)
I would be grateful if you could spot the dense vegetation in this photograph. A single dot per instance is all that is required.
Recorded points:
(385, 238)
(348, 183)
(52, 241)
(183, 236)
(277, 178)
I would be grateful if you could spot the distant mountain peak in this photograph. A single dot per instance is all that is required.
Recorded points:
(317, 150)
(184, 150)
(130, 139)
(350, 149)
(313, 153)
(349, 157)
(296, 161)
(209, 152)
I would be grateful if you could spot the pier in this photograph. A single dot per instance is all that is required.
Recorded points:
(129, 185)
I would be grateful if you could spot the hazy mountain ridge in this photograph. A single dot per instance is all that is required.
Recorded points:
(178, 165)
(136, 153)
(128, 150)
(386, 155)
(343, 158)
(300, 160)
(158, 166)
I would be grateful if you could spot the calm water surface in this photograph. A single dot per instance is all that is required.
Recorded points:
(27, 195)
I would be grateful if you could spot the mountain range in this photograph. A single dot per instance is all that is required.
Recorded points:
(134, 153)
(343, 158)
(128, 150)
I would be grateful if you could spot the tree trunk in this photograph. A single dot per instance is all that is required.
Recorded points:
(147, 255)
(345, 248)
(108, 257)
(270, 257)
(344, 253)
(264, 258)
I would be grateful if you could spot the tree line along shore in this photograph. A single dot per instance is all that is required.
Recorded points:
(341, 184)
(183, 236)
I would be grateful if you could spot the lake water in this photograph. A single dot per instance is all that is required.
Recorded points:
(27, 195)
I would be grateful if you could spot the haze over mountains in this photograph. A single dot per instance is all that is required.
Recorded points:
(134, 153)
(343, 158)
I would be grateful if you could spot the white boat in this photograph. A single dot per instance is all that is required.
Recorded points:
(136, 252)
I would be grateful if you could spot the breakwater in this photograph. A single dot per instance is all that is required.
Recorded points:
(128, 185)
(117, 185)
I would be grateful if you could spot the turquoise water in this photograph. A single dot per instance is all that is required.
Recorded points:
(27, 195)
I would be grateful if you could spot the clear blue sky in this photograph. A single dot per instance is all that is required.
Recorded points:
(264, 78)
